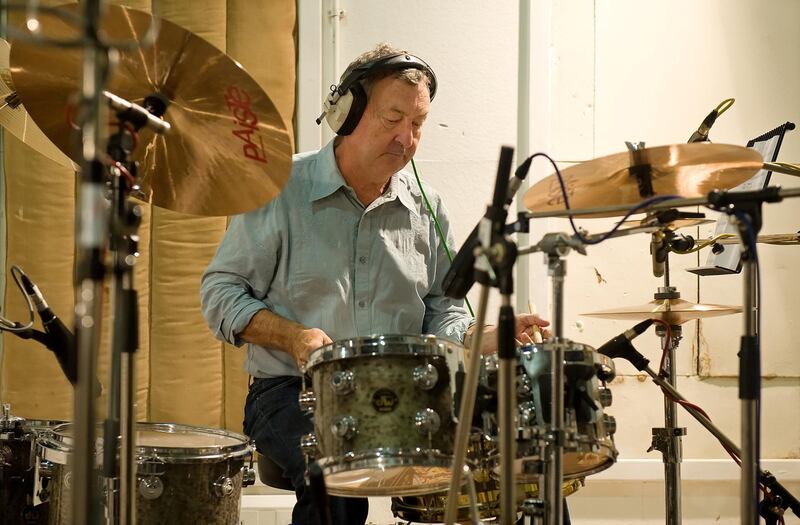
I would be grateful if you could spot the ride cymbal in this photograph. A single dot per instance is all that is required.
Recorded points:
(228, 151)
(685, 170)
(672, 311)
(15, 119)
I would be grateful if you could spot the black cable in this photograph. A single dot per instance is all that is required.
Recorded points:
(585, 240)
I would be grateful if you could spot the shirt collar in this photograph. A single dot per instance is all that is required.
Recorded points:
(330, 179)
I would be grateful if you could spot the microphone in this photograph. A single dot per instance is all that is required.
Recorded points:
(150, 115)
(621, 346)
(701, 135)
(461, 276)
(59, 339)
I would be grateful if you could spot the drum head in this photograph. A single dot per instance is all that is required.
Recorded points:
(397, 481)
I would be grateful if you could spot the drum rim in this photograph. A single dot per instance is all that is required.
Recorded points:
(56, 448)
(382, 344)
(386, 459)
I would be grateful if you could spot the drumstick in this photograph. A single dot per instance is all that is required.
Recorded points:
(536, 332)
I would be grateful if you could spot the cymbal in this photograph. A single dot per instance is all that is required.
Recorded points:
(782, 239)
(672, 225)
(673, 311)
(228, 151)
(15, 119)
(686, 170)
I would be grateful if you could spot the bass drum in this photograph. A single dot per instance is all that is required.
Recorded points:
(430, 508)
(184, 474)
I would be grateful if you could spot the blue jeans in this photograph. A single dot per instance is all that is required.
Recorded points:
(272, 418)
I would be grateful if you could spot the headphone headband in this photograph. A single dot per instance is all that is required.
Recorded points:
(395, 62)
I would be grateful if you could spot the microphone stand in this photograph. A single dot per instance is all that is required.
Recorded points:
(496, 253)
(91, 231)
(782, 497)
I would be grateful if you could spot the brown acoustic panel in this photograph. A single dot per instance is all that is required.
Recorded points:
(40, 237)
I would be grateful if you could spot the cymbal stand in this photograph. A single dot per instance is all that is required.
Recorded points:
(782, 498)
(91, 234)
(667, 440)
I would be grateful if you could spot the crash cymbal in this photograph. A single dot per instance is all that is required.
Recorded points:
(673, 311)
(228, 150)
(782, 239)
(686, 170)
(15, 119)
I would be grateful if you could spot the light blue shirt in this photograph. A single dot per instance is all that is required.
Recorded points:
(317, 256)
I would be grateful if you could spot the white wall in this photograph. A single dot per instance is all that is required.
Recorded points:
(614, 70)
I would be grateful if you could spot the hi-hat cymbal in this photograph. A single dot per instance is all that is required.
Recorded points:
(672, 311)
(686, 170)
(672, 225)
(228, 150)
(15, 119)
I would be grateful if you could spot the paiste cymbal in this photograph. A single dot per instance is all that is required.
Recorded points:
(228, 150)
(15, 118)
(673, 311)
(686, 170)
(780, 239)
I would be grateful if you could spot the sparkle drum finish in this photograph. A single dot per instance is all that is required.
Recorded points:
(184, 474)
(589, 447)
(384, 415)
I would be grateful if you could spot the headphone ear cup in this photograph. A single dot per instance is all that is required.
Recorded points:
(357, 104)
(336, 114)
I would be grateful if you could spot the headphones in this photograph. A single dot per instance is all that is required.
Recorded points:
(345, 104)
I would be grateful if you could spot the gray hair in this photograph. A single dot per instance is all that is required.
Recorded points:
(384, 49)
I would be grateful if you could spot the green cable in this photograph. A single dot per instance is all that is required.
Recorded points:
(438, 228)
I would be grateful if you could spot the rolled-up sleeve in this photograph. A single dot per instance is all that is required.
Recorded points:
(235, 284)
(444, 317)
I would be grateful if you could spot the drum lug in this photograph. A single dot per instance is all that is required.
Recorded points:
(307, 400)
(343, 382)
(524, 386)
(345, 427)
(248, 476)
(223, 486)
(610, 423)
(427, 421)
(151, 487)
(606, 396)
(425, 376)
(308, 444)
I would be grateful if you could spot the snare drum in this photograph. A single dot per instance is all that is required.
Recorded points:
(589, 444)
(384, 416)
(184, 474)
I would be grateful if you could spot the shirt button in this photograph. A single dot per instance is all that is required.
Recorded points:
(362, 304)
(362, 260)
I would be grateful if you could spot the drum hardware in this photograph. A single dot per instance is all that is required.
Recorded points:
(782, 499)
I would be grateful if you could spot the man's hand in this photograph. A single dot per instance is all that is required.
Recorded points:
(526, 331)
(308, 340)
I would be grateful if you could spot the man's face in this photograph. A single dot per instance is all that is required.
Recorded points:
(387, 135)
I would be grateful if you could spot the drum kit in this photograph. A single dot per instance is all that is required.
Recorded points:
(395, 415)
